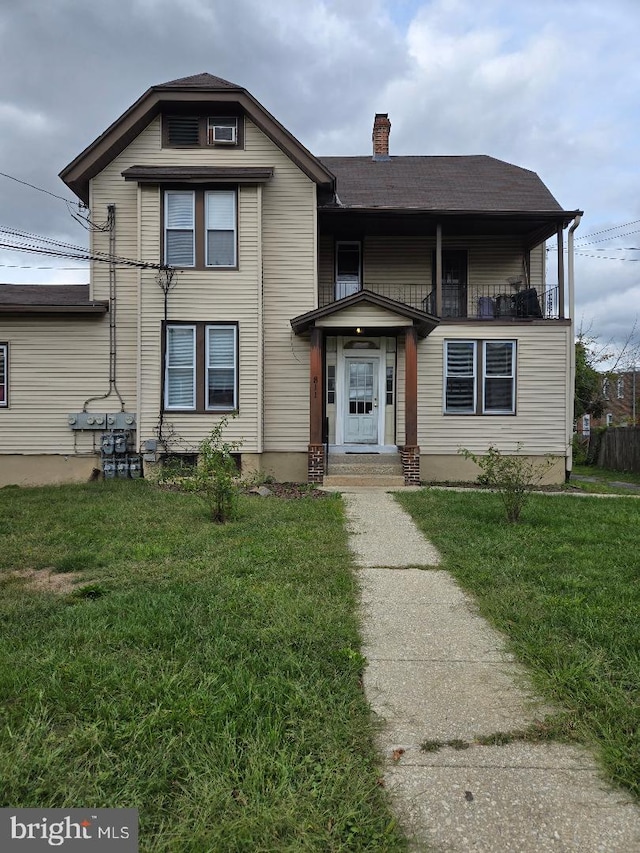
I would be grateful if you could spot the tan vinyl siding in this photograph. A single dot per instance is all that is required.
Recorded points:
(540, 420)
(363, 315)
(284, 277)
(202, 296)
(401, 260)
(290, 289)
(55, 364)
(393, 265)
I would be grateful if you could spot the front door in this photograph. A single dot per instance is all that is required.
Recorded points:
(361, 421)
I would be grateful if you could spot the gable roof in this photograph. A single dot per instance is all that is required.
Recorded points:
(199, 81)
(423, 322)
(200, 89)
(476, 183)
(48, 299)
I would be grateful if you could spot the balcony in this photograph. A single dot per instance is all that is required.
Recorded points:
(465, 302)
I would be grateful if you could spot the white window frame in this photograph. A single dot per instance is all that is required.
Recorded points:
(233, 365)
(609, 419)
(212, 193)
(473, 377)
(511, 376)
(167, 195)
(620, 387)
(4, 375)
(218, 121)
(168, 368)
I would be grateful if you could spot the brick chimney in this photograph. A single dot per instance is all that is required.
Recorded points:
(380, 136)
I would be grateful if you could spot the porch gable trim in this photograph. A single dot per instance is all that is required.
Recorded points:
(424, 323)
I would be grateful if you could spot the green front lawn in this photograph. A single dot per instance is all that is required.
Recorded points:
(564, 585)
(208, 675)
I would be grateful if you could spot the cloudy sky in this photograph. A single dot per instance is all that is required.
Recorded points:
(551, 86)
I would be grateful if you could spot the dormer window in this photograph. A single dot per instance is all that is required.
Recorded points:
(202, 131)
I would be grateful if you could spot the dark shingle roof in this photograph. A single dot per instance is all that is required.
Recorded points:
(199, 81)
(460, 183)
(48, 298)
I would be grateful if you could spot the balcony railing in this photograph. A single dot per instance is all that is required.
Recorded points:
(470, 301)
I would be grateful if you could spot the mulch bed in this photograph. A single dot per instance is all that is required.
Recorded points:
(291, 491)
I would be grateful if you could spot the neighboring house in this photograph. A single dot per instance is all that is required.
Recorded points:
(396, 305)
(621, 399)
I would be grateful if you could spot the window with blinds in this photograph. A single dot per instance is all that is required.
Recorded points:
(201, 367)
(180, 376)
(200, 228)
(220, 224)
(480, 371)
(4, 379)
(179, 240)
(499, 377)
(221, 367)
(460, 377)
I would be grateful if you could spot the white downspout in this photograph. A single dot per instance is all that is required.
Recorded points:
(572, 347)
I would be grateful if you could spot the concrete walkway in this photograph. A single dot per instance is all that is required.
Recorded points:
(437, 672)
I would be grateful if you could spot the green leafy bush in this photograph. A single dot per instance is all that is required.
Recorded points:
(513, 477)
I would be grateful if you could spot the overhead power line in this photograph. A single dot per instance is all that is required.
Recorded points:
(24, 241)
(34, 187)
(604, 258)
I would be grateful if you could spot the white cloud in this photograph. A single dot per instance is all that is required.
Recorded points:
(554, 87)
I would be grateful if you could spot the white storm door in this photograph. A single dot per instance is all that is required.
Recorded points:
(361, 405)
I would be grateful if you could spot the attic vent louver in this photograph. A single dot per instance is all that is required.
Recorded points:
(183, 130)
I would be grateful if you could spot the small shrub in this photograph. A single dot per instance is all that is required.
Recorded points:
(580, 449)
(215, 477)
(513, 477)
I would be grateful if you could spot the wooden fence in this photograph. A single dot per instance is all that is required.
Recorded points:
(620, 449)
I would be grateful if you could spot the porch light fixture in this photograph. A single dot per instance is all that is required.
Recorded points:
(359, 331)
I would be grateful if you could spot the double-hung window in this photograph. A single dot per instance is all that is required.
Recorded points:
(180, 376)
(221, 354)
(499, 368)
(220, 224)
(201, 367)
(200, 228)
(4, 374)
(460, 377)
(480, 377)
(180, 228)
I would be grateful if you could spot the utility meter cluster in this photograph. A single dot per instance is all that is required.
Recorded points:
(117, 460)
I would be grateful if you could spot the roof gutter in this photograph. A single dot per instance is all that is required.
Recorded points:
(572, 346)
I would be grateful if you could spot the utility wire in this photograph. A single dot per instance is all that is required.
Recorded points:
(29, 267)
(34, 187)
(58, 248)
(604, 258)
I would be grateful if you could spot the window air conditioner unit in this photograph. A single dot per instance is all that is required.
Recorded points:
(223, 133)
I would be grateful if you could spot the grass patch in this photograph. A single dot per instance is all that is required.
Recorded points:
(564, 586)
(605, 480)
(207, 675)
(606, 474)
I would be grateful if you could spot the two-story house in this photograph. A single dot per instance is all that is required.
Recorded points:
(388, 305)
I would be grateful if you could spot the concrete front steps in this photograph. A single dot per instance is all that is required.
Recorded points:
(364, 469)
